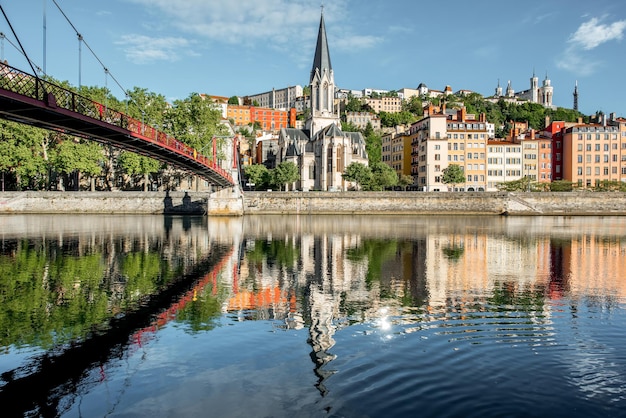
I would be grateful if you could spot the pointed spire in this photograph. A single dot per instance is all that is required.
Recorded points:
(321, 61)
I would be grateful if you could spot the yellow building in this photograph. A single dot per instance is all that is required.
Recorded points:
(467, 147)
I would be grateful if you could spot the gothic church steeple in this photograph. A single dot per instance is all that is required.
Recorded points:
(322, 85)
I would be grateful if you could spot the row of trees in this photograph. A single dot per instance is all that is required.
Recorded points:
(36, 159)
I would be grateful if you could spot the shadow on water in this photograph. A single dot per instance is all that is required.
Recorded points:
(38, 388)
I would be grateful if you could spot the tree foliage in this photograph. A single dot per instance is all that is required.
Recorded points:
(383, 176)
(358, 173)
(284, 174)
(258, 175)
(453, 175)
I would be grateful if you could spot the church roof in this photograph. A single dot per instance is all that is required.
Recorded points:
(321, 60)
(296, 141)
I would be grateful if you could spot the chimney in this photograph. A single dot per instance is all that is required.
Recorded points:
(580, 120)
(547, 121)
(461, 114)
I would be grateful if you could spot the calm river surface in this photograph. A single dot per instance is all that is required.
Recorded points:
(304, 316)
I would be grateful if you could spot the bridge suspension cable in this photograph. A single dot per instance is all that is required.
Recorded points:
(81, 40)
(21, 48)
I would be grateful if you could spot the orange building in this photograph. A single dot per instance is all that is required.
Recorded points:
(593, 153)
(268, 119)
(240, 115)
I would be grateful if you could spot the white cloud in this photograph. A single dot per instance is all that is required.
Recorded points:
(279, 24)
(588, 36)
(143, 49)
(573, 60)
(594, 33)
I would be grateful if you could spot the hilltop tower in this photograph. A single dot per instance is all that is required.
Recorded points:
(534, 88)
(547, 91)
(498, 90)
(576, 95)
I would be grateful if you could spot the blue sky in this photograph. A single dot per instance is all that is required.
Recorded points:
(243, 47)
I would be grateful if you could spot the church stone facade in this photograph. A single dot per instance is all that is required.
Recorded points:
(321, 150)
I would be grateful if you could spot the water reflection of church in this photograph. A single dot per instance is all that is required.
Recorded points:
(320, 274)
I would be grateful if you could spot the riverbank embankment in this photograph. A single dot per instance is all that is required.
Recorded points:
(233, 203)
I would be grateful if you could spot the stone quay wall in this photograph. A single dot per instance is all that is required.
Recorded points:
(436, 203)
(230, 202)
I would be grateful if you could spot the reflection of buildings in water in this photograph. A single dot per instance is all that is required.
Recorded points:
(428, 267)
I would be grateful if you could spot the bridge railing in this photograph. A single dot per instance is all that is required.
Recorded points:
(55, 96)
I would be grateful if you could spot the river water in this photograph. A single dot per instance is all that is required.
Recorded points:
(305, 316)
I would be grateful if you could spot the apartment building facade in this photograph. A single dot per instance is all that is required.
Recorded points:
(396, 151)
(504, 163)
(429, 152)
(467, 147)
(269, 120)
(594, 153)
(280, 99)
(361, 119)
(389, 104)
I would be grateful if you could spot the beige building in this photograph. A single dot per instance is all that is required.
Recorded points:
(429, 154)
(361, 119)
(396, 151)
(389, 104)
(281, 99)
(504, 163)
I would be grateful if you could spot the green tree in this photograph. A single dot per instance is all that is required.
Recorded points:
(561, 186)
(404, 180)
(135, 164)
(194, 121)
(414, 106)
(374, 147)
(258, 175)
(354, 104)
(284, 174)
(382, 176)
(80, 157)
(358, 173)
(233, 100)
(453, 175)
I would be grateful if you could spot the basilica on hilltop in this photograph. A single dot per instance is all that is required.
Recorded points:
(535, 94)
(321, 150)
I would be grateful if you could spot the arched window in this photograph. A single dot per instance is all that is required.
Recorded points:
(340, 151)
(325, 97)
(329, 158)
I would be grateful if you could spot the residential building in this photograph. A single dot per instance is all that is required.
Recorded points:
(268, 119)
(467, 147)
(504, 163)
(389, 104)
(361, 119)
(281, 99)
(593, 153)
(240, 115)
(429, 152)
(396, 150)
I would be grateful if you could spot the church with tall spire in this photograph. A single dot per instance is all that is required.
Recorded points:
(321, 150)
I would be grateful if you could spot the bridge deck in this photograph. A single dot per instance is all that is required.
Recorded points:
(29, 100)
